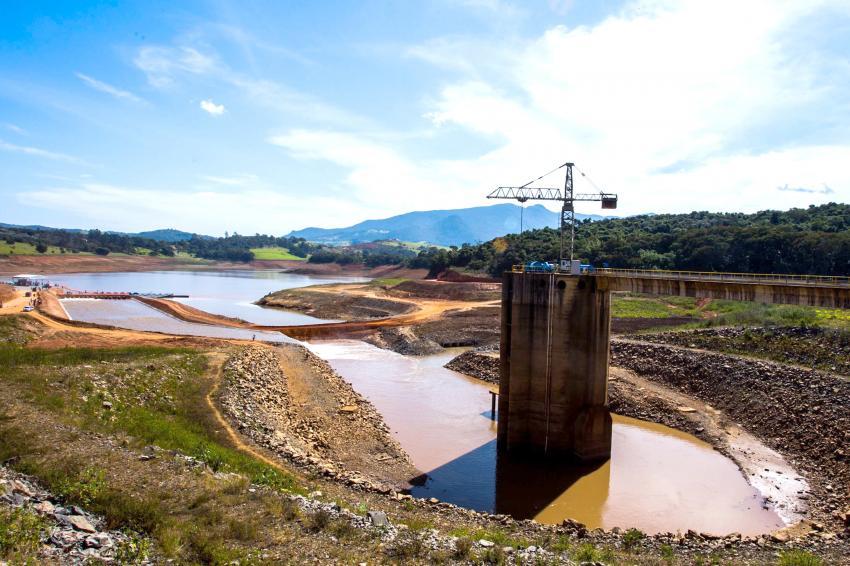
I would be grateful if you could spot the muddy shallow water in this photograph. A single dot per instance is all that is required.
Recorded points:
(136, 315)
(658, 479)
(229, 293)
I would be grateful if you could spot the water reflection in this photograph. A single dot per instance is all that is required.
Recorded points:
(134, 315)
(229, 293)
(525, 487)
(658, 479)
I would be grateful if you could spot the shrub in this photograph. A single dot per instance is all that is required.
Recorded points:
(318, 521)
(463, 546)
(101, 251)
(631, 537)
(40, 248)
(799, 558)
(20, 534)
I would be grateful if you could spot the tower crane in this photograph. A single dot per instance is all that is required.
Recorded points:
(566, 196)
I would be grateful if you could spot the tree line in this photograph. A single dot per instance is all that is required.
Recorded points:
(813, 240)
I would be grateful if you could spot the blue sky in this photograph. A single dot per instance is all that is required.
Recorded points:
(272, 116)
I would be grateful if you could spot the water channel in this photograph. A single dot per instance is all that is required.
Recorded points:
(230, 293)
(658, 479)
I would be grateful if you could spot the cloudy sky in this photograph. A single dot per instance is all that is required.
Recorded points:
(272, 116)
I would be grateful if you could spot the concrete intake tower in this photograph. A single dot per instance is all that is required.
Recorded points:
(554, 366)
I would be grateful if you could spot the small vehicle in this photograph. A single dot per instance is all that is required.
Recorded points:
(28, 308)
(539, 267)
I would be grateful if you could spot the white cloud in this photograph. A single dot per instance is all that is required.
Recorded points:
(212, 108)
(17, 129)
(160, 64)
(247, 210)
(108, 88)
(651, 103)
(657, 105)
(38, 152)
(165, 66)
(238, 181)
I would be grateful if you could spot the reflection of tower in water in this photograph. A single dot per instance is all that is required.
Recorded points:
(544, 490)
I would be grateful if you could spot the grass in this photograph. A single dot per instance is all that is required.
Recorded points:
(799, 558)
(157, 397)
(497, 536)
(642, 307)
(23, 248)
(20, 535)
(275, 252)
(725, 313)
(387, 281)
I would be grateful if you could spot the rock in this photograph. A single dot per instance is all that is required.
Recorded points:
(433, 500)
(81, 523)
(98, 541)
(22, 488)
(107, 405)
(780, 536)
(378, 518)
(44, 507)
(486, 543)
(348, 409)
(686, 409)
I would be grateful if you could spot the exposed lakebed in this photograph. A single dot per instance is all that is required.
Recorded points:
(658, 479)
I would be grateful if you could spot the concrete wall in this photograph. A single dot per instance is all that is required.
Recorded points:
(554, 366)
(762, 292)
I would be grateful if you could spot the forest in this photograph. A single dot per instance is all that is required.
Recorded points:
(813, 240)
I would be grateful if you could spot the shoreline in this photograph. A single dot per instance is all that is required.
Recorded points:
(787, 476)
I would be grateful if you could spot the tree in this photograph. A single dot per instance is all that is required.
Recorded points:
(101, 251)
(40, 248)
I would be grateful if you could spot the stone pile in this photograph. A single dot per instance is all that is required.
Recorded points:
(477, 364)
(72, 535)
(256, 397)
(823, 348)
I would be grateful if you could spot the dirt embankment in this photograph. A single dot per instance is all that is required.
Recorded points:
(821, 348)
(802, 414)
(481, 365)
(7, 293)
(78, 263)
(347, 270)
(49, 304)
(291, 402)
(75, 263)
(335, 302)
(191, 314)
(448, 290)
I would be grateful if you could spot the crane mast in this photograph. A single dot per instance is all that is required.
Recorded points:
(566, 196)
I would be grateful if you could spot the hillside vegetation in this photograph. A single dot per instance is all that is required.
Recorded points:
(813, 240)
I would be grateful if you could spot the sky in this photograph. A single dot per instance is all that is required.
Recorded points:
(266, 117)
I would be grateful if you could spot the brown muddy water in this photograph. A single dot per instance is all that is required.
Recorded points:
(658, 479)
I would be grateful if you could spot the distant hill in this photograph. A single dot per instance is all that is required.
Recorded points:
(442, 227)
(162, 235)
(166, 235)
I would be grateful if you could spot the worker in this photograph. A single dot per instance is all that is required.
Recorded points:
(253, 336)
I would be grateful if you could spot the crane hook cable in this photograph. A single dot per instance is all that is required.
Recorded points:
(541, 176)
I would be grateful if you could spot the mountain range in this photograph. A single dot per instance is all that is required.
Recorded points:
(442, 227)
